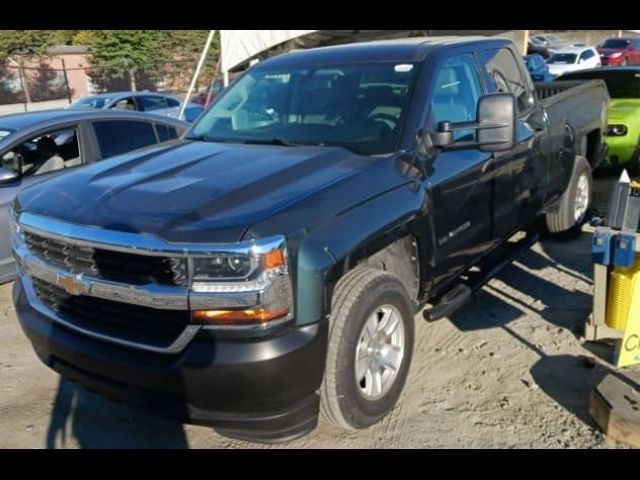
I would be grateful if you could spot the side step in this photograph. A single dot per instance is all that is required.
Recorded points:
(489, 267)
(448, 303)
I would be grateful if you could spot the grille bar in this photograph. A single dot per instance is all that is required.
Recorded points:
(131, 268)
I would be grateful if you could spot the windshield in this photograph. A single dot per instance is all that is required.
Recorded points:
(360, 107)
(90, 102)
(563, 58)
(620, 84)
(615, 43)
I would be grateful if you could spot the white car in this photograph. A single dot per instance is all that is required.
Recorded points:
(571, 59)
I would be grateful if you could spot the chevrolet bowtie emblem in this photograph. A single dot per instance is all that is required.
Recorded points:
(71, 285)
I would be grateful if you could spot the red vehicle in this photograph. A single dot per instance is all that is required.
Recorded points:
(620, 51)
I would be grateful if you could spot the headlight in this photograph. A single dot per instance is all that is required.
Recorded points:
(615, 55)
(616, 130)
(223, 266)
(249, 287)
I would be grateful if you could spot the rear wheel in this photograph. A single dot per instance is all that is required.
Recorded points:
(370, 348)
(574, 202)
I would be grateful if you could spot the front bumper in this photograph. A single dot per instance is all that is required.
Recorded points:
(621, 150)
(260, 389)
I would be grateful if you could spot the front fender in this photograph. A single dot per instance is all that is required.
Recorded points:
(329, 244)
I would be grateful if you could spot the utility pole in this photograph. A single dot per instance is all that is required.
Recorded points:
(66, 80)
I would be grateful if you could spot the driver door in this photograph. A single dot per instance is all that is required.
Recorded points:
(460, 183)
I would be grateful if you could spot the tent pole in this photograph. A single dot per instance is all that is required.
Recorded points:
(203, 56)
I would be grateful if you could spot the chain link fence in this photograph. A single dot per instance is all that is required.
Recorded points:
(49, 83)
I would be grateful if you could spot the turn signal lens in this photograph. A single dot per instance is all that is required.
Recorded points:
(273, 259)
(238, 317)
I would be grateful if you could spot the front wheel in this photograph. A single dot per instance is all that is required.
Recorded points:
(370, 348)
(575, 201)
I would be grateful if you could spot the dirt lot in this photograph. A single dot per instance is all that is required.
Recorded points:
(508, 370)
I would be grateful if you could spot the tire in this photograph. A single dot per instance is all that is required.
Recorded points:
(573, 206)
(355, 403)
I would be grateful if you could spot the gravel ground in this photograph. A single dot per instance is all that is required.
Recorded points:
(506, 371)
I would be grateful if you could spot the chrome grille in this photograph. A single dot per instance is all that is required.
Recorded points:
(110, 265)
(133, 323)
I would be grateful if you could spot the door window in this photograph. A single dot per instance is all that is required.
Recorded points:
(125, 104)
(503, 70)
(45, 153)
(150, 103)
(121, 136)
(456, 93)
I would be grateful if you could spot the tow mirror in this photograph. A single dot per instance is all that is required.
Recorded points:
(495, 126)
(7, 176)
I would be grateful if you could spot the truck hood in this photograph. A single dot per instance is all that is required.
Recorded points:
(624, 110)
(190, 191)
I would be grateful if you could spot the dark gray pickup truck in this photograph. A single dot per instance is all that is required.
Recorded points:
(269, 264)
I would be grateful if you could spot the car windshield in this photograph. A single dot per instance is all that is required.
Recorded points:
(620, 84)
(90, 102)
(563, 58)
(615, 43)
(360, 107)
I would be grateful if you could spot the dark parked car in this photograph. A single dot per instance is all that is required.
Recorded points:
(538, 69)
(149, 102)
(620, 51)
(273, 259)
(38, 146)
(551, 42)
(536, 46)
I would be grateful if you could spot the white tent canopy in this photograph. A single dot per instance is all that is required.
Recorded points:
(238, 46)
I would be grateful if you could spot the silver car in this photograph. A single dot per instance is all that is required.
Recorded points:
(145, 101)
(37, 146)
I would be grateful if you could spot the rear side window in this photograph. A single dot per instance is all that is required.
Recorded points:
(150, 103)
(173, 102)
(121, 136)
(166, 132)
(502, 68)
(586, 55)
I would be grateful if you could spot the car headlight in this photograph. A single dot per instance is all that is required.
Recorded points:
(616, 130)
(615, 55)
(247, 287)
(16, 231)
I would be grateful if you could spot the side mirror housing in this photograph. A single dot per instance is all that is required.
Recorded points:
(7, 176)
(495, 126)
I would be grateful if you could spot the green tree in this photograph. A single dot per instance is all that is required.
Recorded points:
(26, 43)
(122, 53)
(18, 44)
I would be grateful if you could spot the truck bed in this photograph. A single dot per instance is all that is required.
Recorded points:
(580, 105)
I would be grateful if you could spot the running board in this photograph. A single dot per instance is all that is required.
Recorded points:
(460, 294)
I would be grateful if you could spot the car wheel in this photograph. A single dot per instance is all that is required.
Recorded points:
(370, 348)
(575, 201)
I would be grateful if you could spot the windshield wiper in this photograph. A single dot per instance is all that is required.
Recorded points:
(271, 141)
